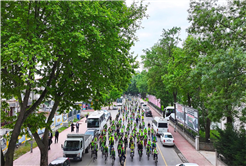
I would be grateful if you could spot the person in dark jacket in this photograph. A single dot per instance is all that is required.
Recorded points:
(56, 136)
(72, 127)
(50, 139)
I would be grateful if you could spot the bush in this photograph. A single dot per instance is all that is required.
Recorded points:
(232, 145)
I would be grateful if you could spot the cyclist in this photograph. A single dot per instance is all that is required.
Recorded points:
(145, 131)
(152, 131)
(95, 148)
(105, 150)
(113, 153)
(145, 139)
(125, 141)
(153, 146)
(148, 149)
(111, 142)
(122, 153)
(154, 138)
(140, 147)
(155, 153)
(148, 125)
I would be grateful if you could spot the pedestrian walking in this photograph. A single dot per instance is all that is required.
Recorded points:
(72, 127)
(56, 136)
(77, 127)
(50, 139)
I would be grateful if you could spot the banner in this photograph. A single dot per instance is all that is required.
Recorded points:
(58, 120)
(191, 118)
(187, 116)
(180, 113)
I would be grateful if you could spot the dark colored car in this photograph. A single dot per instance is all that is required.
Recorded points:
(61, 161)
(148, 113)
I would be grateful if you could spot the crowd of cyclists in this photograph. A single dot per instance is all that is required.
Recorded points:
(127, 130)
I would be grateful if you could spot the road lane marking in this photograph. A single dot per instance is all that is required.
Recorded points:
(161, 154)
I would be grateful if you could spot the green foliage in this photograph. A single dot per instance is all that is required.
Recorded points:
(80, 50)
(232, 145)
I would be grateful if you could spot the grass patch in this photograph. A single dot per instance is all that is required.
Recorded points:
(212, 135)
(24, 148)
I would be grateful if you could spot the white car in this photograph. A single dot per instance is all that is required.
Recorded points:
(115, 107)
(187, 164)
(167, 139)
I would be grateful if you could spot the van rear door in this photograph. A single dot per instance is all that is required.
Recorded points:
(162, 127)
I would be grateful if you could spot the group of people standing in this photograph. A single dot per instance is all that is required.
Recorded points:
(75, 125)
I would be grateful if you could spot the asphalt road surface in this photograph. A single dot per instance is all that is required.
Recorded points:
(166, 157)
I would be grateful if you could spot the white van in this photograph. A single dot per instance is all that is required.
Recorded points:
(160, 125)
(169, 112)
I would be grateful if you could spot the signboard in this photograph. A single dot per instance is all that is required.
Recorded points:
(58, 120)
(191, 116)
(187, 116)
(180, 113)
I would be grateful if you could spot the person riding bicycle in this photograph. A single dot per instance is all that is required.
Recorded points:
(113, 153)
(125, 141)
(143, 124)
(145, 131)
(122, 153)
(145, 139)
(95, 149)
(105, 148)
(154, 139)
(155, 153)
(140, 146)
(153, 145)
(132, 147)
(147, 149)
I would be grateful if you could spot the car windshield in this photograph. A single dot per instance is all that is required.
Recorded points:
(71, 145)
(89, 133)
(92, 122)
(168, 136)
(162, 125)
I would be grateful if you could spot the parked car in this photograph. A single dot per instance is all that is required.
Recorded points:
(61, 161)
(91, 132)
(187, 164)
(167, 139)
(148, 113)
(115, 107)
(144, 106)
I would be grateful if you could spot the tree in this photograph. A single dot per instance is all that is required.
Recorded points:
(78, 48)
(222, 60)
(155, 63)
(142, 83)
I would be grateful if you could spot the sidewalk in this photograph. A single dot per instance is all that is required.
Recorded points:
(33, 159)
(202, 158)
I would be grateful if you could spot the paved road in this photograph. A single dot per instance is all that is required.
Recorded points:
(167, 155)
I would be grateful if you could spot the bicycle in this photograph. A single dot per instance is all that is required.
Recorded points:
(131, 155)
(106, 156)
(113, 159)
(140, 154)
(156, 160)
(94, 155)
(122, 161)
(148, 154)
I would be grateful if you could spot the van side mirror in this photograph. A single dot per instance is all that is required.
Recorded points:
(62, 146)
(85, 121)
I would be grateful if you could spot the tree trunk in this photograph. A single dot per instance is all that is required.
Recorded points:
(44, 150)
(175, 100)
(207, 130)
(44, 155)
(9, 156)
(189, 101)
(2, 157)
